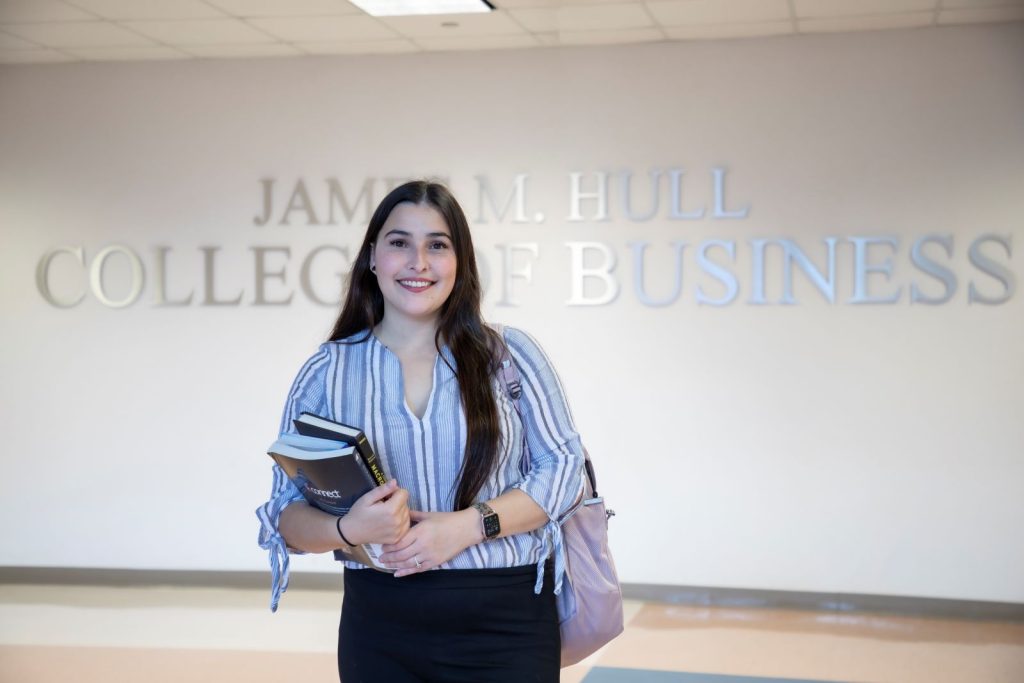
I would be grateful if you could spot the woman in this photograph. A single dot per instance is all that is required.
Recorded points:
(478, 481)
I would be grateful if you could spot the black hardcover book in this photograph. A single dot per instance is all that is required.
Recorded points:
(320, 427)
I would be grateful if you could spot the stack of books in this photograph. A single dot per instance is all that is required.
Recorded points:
(333, 465)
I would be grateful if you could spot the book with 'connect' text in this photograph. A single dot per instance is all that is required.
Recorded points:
(332, 469)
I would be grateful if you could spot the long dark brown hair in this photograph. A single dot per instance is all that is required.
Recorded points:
(460, 326)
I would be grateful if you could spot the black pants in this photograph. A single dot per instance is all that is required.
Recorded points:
(448, 626)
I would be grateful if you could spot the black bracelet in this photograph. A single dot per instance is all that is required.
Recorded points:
(344, 540)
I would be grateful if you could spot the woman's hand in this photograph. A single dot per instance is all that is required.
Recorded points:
(434, 538)
(381, 515)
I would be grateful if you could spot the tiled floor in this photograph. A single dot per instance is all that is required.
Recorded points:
(153, 635)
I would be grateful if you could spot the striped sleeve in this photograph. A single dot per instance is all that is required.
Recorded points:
(555, 477)
(554, 480)
(307, 395)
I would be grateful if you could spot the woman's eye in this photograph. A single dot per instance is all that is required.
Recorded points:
(397, 243)
(439, 245)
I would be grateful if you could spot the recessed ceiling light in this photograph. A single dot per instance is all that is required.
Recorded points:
(395, 8)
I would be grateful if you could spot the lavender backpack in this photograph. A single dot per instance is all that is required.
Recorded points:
(590, 602)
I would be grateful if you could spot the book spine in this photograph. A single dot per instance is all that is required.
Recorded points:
(371, 460)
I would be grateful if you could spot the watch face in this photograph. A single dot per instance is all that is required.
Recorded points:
(492, 527)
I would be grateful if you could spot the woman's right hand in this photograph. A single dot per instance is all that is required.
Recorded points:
(381, 515)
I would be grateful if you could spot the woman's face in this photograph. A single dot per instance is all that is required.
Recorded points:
(414, 261)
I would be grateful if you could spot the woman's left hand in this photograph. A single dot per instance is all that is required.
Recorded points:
(433, 539)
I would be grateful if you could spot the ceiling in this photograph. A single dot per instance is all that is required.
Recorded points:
(43, 31)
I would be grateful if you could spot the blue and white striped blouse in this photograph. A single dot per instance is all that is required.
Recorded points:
(361, 384)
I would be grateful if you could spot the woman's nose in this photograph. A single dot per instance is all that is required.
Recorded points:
(418, 260)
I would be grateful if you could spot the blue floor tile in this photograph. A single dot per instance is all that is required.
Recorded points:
(603, 674)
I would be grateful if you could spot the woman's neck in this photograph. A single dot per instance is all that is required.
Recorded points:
(399, 334)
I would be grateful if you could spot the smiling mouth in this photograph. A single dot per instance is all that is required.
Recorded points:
(415, 285)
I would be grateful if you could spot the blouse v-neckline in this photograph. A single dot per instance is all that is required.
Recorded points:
(401, 382)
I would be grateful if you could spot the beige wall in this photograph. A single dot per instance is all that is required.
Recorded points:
(817, 446)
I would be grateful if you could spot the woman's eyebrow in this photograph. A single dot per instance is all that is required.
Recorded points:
(406, 233)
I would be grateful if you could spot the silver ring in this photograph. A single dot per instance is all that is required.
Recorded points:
(416, 559)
